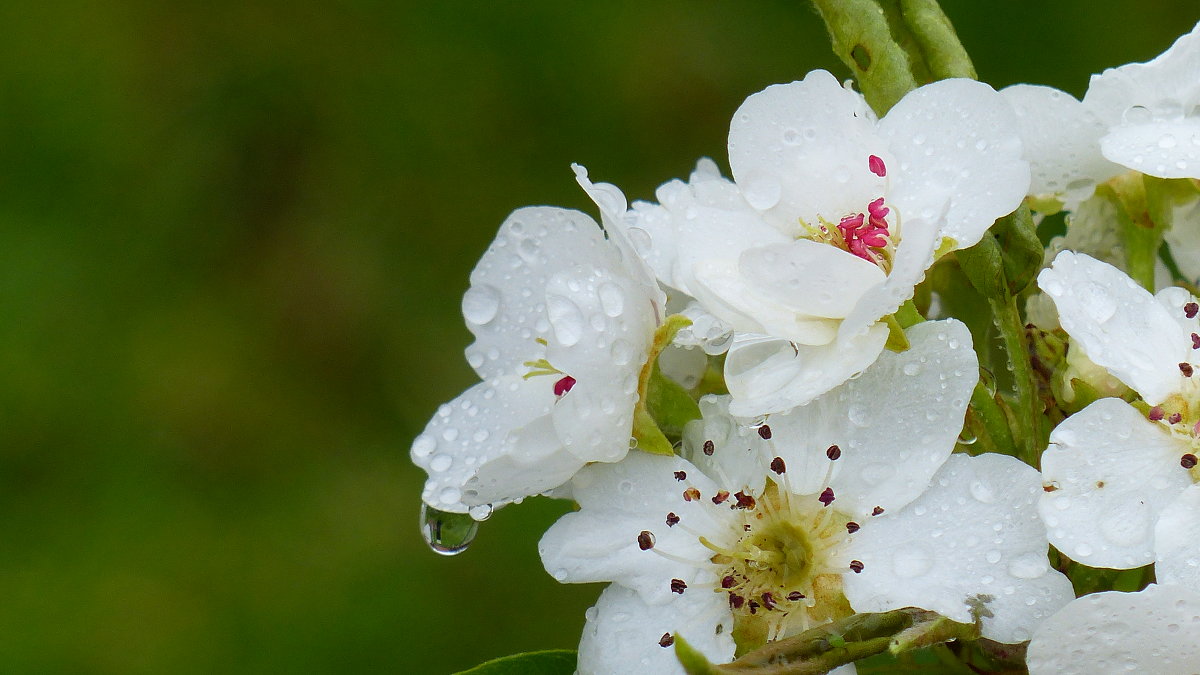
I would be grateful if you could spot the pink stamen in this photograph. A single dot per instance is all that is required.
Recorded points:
(876, 165)
(860, 235)
(564, 385)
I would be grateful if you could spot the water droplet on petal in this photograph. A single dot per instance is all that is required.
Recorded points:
(1029, 566)
(447, 533)
(612, 299)
(911, 561)
(480, 512)
(565, 318)
(763, 192)
(480, 304)
(982, 492)
(912, 369)
(441, 463)
(423, 446)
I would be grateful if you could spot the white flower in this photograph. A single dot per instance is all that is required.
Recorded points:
(1111, 470)
(1140, 116)
(833, 219)
(563, 320)
(852, 502)
(1156, 630)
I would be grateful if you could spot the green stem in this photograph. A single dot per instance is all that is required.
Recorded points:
(863, 41)
(935, 35)
(1026, 409)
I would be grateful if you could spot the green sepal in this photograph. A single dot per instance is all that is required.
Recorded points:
(862, 39)
(908, 315)
(693, 662)
(897, 341)
(943, 54)
(983, 265)
(1021, 250)
(549, 662)
(656, 396)
(1139, 232)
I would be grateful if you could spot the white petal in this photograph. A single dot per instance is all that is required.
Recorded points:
(623, 633)
(973, 537)
(722, 289)
(739, 458)
(1118, 323)
(1184, 239)
(1156, 630)
(895, 425)
(1062, 142)
(766, 374)
(619, 501)
(1110, 473)
(483, 426)
(955, 141)
(810, 278)
(505, 305)
(1176, 547)
(1163, 148)
(800, 151)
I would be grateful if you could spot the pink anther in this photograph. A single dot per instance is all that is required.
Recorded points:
(876, 165)
(564, 385)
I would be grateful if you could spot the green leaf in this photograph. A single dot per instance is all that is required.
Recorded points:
(550, 662)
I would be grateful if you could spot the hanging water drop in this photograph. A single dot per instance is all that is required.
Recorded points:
(480, 512)
(447, 533)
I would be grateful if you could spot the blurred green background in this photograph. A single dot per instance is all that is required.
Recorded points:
(233, 239)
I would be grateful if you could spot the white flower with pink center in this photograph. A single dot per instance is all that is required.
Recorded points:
(831, 220)
(850, 503)
(1112, 470)
(563, 318)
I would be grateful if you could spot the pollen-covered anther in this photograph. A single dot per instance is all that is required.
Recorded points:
(744, 501)
(563, 385)
(826, 497)
(709, 448)
(852, 527)
(680, 475)
(672, 519)
(833, 452)
(678, 586)
(1188, 461)
(1186, 369)
(778, 466)
(645, 540)
(720, 497)
(666, 640)
(1190, 310)
(856, 566)
(877, 510)
(764, 432)
(691, 494)
(875, 163)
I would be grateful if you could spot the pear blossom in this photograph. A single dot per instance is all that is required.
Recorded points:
(1111, 469)
(850, 503)
(563, 319)
(831, 220)
(1139, 116)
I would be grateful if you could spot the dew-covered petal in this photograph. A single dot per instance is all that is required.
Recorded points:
(731, 453)
(722, 289)
(800, 151)
(1156, 630)
(809, 278)
(974, 538)
(505, 306)
(623, 634)
(1108, 474)
(895, 425)
(955, 141)
(1176, 546)
(1163, 148)
(767, 374)
(480, 427)
(1061, 138)
(618, 502)
(1118, 323)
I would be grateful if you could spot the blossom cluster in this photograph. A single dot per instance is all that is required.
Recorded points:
(763, 393)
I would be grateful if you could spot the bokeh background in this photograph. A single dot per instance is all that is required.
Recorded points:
(233, 239)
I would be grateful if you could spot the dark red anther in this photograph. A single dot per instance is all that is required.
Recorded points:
(876, 165)
(1187, 461)
(736, 601)
(691, 494)
(778, 466)
(795, 595)
(833, 452)
(678, 586)
(728, 581)
(709, 447)
(1190, 309)
(564, 385)
(645, 540)
(680, 475)
(1195, 341)
(764, 432)
(768, 600)
(1175, 418)
(826, 497)
(744, 501)
(1186, 369)
(720, 497)
(877, 510)
(666, 640)
(672, 519)
(852, 527)
(1156, 413)
(856, 566)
